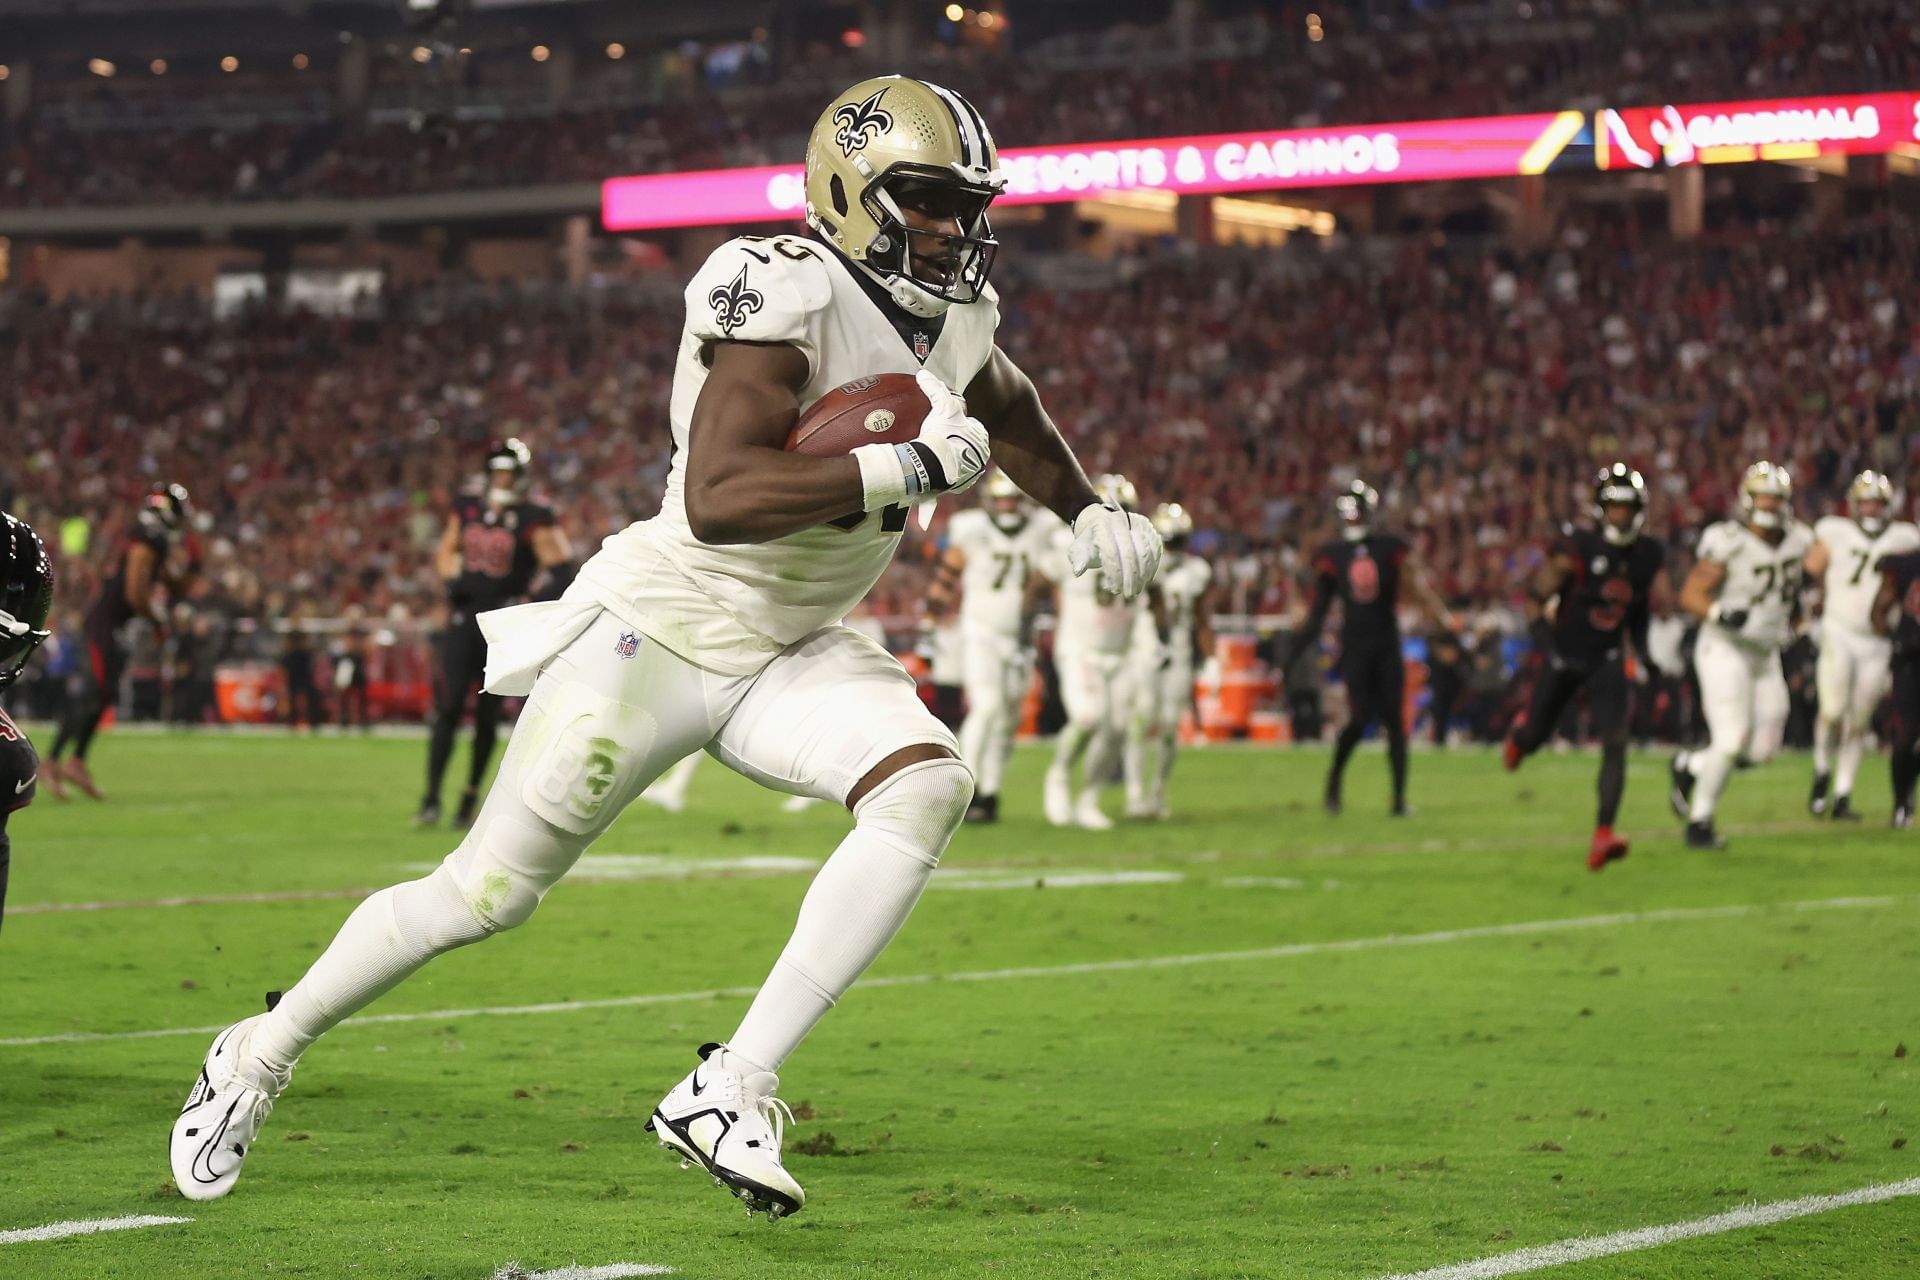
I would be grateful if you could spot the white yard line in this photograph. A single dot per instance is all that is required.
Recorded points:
(606, 1271)
(1516, 929)
(61, 1230)
(1588, 1247)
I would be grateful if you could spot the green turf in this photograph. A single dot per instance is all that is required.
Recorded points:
(1336, 1113)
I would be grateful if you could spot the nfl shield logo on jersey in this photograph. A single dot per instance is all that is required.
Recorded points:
(922, 345)
(627, 645)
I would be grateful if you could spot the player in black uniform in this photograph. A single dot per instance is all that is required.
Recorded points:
(491, 549)
(139, 565)
(1896, 612)
(26, 598)
(1595, 591)
(1364, 571)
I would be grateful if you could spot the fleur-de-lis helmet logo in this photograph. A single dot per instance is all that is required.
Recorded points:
(733, 302)
(859, 125)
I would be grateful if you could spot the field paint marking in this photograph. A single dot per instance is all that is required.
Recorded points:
(1587, 1247)
(1520, 928)
(1048, 879)
(607, 1271)
(283, 895)
(61, 1230)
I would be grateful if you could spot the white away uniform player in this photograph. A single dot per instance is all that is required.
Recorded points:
(1744, 588)
(1093, 631)
(1163, 680)
(717, 625)
(1855, 668)
(993, 552)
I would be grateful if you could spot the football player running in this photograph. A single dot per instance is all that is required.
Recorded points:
(491, 549)
(990, 560)
(140, 565)
(1896, 616)
(1596, 590)
(1163, 677)
(1364, 570)
(1744, 588)
(26, 598)
(717, 625)
(1093, 631)
(1853, 673)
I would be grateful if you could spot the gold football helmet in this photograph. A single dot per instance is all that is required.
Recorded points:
(1765, 479)
(1870, 486)
(894, 140)
(1172, 523)
(1118, 490)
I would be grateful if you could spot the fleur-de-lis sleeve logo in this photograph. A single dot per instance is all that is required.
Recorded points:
(733, 302)
(860, 124)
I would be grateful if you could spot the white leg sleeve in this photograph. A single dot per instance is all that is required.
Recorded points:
(856, 904)
(1727, 699)
(596, 730)
(1872, 678)
(986, 723)
(1833, 681)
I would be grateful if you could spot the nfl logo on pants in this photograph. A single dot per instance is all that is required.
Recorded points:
(627, 645)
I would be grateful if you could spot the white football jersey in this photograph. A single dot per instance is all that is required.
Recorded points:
(1000, 559)
(1092, 618)
(730, 608)
(1852, 579)
(1183, 581)
(1762, 577)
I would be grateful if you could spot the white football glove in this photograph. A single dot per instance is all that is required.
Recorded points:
(948, 455)
(1123, 545)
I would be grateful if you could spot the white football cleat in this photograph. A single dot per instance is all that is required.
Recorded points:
(225, 1109)
(1087, 815)
(1059, 798)
(729, 1122)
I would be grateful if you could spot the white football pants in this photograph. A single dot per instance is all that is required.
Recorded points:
(1097, 691)
(1744, 696)
(1853, 676)
(998, 672)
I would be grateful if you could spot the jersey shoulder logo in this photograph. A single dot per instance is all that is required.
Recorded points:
(733, 302)
(860, 124)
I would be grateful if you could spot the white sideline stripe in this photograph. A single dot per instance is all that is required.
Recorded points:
(607, 1271)
(1588, 1247)
(61, 1230)
(1517, 929)
(986, 880)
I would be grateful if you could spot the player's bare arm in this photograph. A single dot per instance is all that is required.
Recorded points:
(552, 547)
(446, 556)
(1549, 580)
(1026, 444)
(1819, 556)
(143, 565)
(1884, 614)
(1425, 594)
(1702, 588)
(943, 596)
(742, 483)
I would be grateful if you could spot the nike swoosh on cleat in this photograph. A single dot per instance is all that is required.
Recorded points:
(694, 1080)
(204, 1156)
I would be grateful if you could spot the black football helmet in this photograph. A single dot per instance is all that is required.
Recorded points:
(1619, 485)
(509, 471)
(166, 509)
(1356, 505)
(26, 595)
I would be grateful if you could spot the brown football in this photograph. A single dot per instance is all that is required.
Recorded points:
(885, 407)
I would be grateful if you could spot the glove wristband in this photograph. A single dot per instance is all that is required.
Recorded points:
(883, 476)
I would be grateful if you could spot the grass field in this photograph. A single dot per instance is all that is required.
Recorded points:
(1281, 1044)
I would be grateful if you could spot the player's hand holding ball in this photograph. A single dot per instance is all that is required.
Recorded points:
(949, 453)
(1732, 619)
(1123, 545)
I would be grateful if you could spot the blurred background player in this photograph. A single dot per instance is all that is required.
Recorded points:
(491, 549)
(989, 563)
(1364, 570)
(26, 598)
(1163, 677)
(1853, 673)
(1596, 590)
(1744, 589)
(1090, 642)
(1896, 617)
(126, 592)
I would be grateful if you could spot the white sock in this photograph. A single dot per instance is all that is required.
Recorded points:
(1853, 746)
(856, 903)
(388, 937)
(1710, 771)
(1825, 734)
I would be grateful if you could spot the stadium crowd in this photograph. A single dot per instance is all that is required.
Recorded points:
(93, 143)
(1477, 388)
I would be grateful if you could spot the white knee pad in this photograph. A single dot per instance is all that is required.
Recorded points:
(434, 914)
(918, 809)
